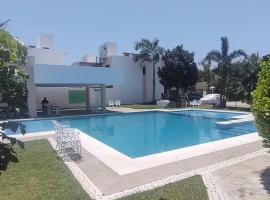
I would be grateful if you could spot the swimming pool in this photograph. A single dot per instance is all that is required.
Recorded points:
(145, 133)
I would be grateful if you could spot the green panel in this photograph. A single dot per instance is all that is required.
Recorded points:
(76, 96)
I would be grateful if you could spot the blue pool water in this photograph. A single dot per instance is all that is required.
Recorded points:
(145, 133)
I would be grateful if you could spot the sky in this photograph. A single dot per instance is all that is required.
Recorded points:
(81, 26)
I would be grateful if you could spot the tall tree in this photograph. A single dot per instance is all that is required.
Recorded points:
(10, 57)
(261, 100)
(206, 73)
(179, 70)
(244, 77)
(149, 52)
(224, 61)
(12, 74)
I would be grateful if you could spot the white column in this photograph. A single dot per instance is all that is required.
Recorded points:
(87, 95)
(31, 88)
(103, 98)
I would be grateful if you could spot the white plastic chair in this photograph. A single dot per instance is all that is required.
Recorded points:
(66, 135)
(117, 103)
(111, 103)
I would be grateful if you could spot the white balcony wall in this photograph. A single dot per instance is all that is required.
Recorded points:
(59, 75)
(46, 56)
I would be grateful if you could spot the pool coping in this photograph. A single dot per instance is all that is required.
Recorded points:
(133, 111)
(122, 164)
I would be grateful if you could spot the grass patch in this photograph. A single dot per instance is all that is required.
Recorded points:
(39, 175)
(191, 188)
(205, 107)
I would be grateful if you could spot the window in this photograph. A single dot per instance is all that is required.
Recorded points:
(76, 96)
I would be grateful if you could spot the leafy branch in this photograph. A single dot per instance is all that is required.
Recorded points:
(7, 153)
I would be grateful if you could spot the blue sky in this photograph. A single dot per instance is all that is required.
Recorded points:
(80, 26)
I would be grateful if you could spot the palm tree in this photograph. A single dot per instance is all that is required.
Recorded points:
(2, 24)
(246, 74)
(207, 73)
(149, 52)
(224, 59)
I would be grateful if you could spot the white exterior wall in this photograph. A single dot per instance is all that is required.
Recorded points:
(46, 56)
(131, 91)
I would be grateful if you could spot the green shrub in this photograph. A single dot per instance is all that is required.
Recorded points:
(261, 100)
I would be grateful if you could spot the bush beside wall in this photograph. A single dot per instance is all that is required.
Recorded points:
(261, 100)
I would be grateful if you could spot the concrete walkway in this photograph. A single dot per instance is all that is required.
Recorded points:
(110, 182)
(247, 180)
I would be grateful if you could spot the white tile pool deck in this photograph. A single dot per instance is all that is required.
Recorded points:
(113, 174)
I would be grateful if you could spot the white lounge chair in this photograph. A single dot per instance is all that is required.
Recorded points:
(66, 136)
(117, 103)
(195, 103)
(111, 103)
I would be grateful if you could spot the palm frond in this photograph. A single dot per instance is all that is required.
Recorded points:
(237, 53)
(142, 58)
(143, 44)
(2, 24)
(149, 51)
(160, 50)
(205, 62)
(155, 43)
(213, 55)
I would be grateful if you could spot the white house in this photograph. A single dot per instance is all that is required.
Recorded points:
(135, 85)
